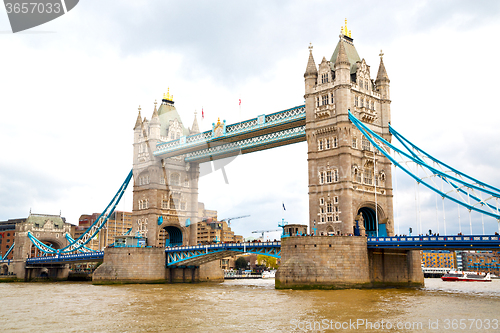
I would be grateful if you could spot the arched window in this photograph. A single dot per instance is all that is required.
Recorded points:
(357, 176)
(335, 175)
(175, 179)
(368, 177)
(365, 143)
(320, 144)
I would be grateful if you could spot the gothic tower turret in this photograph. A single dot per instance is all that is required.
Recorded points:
(165, 207)
(382, 84)
(348, 181)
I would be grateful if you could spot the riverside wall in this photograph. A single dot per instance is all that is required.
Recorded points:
(339, 262)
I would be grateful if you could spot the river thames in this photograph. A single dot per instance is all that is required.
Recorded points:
(247, 306)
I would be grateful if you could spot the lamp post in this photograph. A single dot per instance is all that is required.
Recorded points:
(314, 227)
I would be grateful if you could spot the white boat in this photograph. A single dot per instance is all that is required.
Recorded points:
(466, 276)
(269, 274)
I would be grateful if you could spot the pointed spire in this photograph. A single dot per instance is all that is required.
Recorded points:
(195, 128)
(342, 55)
(311, 65)
(155, 112)
(382, 73)
(138, 122)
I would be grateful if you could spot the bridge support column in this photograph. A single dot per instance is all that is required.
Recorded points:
(147, 265)
(395, 268)
(131, 265)
(52, 272)
(209, 272)
(338, 262)
(19, 268)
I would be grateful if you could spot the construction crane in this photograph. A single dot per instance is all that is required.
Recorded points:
(262, 232)
(228, 220)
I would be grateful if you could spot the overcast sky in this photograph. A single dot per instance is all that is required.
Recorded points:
(70, 90)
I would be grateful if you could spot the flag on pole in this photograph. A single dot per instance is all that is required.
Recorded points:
(202, 113)
(240, 101)
(283, 206)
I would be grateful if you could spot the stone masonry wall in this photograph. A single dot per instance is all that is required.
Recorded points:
(395, 268)
(209, 272)
(137, 264)
(334, 262)
(323, 262)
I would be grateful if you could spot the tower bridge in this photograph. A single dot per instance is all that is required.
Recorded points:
(346, 123)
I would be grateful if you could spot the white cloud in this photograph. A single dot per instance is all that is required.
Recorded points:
(69, 98)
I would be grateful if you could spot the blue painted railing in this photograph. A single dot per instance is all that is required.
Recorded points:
(89, 256)
(196, 255)
(436, 242)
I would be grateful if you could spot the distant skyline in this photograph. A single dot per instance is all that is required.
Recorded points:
(71, 88)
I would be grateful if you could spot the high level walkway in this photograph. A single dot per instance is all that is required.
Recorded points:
(260, 133)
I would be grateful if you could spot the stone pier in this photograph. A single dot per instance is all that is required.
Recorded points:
(147, 265)
(339, 262)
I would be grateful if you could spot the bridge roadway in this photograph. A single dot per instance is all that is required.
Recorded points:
(201, 254)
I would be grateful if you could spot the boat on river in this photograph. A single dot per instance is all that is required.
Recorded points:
(466, 276)
(268, 274)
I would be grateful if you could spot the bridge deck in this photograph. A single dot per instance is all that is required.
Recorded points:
(471, 242)
(70, 258)
(201, 254)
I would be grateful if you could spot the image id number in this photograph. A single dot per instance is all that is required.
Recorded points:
(468, 324)
(33, 7)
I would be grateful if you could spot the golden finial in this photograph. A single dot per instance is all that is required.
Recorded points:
(167, 96)
(381, 54)
(344, 31)
(310, 47)
(139, 108)
(218, 121)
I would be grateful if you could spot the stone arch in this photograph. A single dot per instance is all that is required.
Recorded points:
(371, 219)
(44, 273)
(173, 235)
(330, 229)
(4, 269)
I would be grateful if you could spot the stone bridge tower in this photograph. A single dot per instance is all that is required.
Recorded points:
(350, 182)
(49, 229)
(165, 204)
